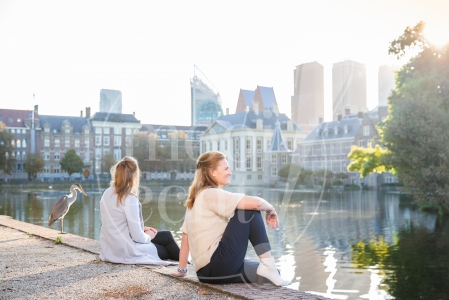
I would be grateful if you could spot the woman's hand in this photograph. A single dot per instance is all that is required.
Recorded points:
(272, 218)
(150, 231)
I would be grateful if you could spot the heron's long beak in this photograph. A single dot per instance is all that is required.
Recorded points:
(81, 190)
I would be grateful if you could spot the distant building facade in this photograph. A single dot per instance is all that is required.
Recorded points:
(307, 102)
(386, 83)
(24, 126)
(111, 101)
(348, 87)
(246, 138)
(58, 135)
(205, 103)
(113, 134)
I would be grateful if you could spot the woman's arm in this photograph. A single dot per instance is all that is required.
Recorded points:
(257, 203)
(183, 255)
(132, 213)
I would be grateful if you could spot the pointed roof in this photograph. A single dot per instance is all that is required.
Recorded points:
(278, 143)
(265, 97)
(246, 98)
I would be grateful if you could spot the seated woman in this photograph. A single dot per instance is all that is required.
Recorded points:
(123, 237)
(218, 225)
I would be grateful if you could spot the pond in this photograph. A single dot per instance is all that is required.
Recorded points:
(342, 245)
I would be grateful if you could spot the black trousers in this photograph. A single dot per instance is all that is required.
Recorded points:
(166, 245)
(227, 264)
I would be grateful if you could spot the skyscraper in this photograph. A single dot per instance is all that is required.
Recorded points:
(348, 88)
(387, 83)
(110, 101)
(205, 101)
(307, 102)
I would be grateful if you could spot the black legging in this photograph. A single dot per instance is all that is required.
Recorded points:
(227, 264)
(166, 245)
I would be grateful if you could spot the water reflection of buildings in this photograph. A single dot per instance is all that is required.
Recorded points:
(319, 232)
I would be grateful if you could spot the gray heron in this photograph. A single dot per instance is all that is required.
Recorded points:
(62, 206)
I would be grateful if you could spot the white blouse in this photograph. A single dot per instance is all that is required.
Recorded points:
(122, 238)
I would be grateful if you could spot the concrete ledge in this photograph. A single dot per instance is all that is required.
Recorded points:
(244, 291)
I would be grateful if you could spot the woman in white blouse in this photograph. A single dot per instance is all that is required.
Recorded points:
(123, 237)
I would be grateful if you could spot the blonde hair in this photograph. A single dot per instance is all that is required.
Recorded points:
(203, 179)
(125, 178)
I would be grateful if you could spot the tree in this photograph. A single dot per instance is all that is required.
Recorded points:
(7, 160)
(72, 163)
(289, 171)
(415, 136)
(107, 161)
(369, 160)
(34, 164)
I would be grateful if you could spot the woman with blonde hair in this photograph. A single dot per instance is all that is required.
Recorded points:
(123, 237)
(218, 225)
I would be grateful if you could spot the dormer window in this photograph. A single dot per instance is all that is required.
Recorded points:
(336, 130)
(326, 132)
(346, 129)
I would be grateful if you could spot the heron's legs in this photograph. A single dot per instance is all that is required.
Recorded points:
(61, 221)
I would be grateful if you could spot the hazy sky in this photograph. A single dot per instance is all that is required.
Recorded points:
(66, 51)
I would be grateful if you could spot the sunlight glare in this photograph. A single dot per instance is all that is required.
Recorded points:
(436, 35)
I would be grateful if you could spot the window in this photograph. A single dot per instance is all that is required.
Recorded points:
(24, 155)
(203, 144)
(18, 155)
(274, 172)
(273, 158)
(57, 143)
(67, 130)
(316, 150)
(106, 130)
(237, 161)
(86, 156)
(226, 146)
(18, 143)
(86, 130)
(98, 140)
(46, 168)
(67, 143)
(248, 145)
(56, 156)
(346, 129)
(13, 143)
(117, 154)
(259, 145)
(24, 143)
(98, 167)
(77, 143)
(128, 131)
(248, 176)
(237, 144)
(290, 144)
(248, 162)
(46, 155)
(366, 130)
(97, 153)
(97, 130)
(117, 130)
(19, 120)
(361, 143)
(128, 141)
(332, 148)
(259, 162)
(284, 158)
(268, 143)
(56, 169)
(259, 177)
(86, 143)
(210, 146)
(106, 140)
(336, 130)
(105, 151)
(117, 141)
(46, 129)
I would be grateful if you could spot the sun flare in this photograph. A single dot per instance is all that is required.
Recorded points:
(436, 35)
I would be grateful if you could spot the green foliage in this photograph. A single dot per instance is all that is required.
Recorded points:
(290, 171)
(351, 187)
(58, 240)
(321, 173)
(417, 131)
(34, 164)
(7, 161)
(107, 161)
(72, 163)
(369, 160)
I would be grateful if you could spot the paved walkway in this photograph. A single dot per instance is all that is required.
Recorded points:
(32, 266)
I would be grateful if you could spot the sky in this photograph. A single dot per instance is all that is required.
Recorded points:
(64, 52)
